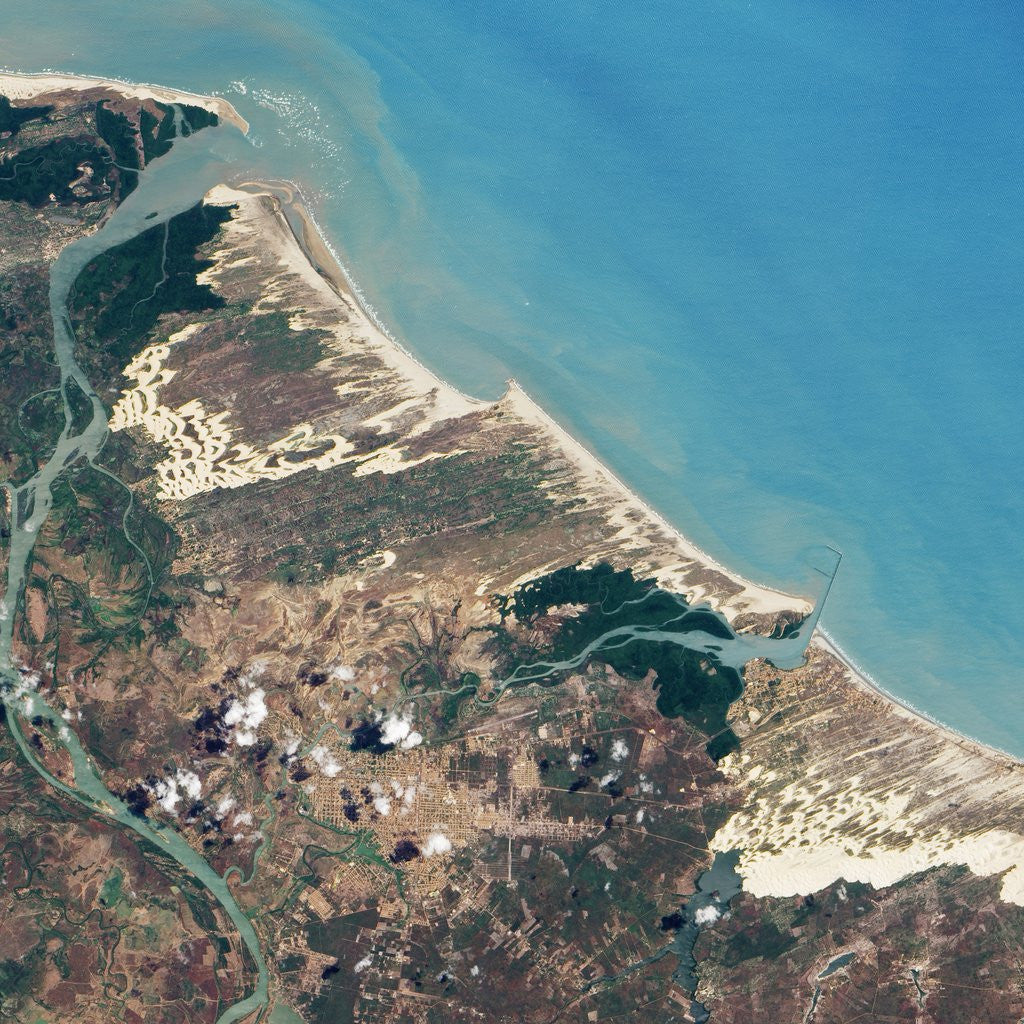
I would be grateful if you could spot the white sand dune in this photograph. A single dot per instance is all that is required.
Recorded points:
(876, 793)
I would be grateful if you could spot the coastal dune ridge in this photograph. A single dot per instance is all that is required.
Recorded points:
(752, 597)
(17, 85)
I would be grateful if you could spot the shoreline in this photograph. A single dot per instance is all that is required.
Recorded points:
(865, 681)
(20, 85)
(326, 263)
(323, 258)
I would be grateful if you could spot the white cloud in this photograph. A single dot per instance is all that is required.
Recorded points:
(394, 730)
(326, 761)
(474, 970)
(27, 682)
(574, 760)
(437, 842)
(610, 777)
(169, 791)
(189, 784)
(343, 673)
(397, 731)
(639, 815)
(383, 805)
(620, 750)
(707, 915)
(224, 805)
(363, 964)
(247, 714)
(166, 793)
(253, 672)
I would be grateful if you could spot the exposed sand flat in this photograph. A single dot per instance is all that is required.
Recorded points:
(205, 453)
(18, 86)
(851, 785)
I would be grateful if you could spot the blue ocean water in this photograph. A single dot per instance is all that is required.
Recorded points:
(765, 261)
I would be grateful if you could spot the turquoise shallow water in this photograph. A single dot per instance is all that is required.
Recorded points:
(765, 264)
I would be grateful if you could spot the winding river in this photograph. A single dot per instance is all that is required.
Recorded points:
(174, 183)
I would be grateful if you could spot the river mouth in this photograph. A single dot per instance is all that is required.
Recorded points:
(175, 182)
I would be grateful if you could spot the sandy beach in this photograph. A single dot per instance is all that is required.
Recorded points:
(17, 86)
(822, 639)
(634, 514)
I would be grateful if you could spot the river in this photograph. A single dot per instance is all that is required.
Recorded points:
(174, 183)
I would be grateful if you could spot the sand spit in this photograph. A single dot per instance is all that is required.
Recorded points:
(846, 783)
(307, 253)
(205, 451)
(427, 399)
(17, 86)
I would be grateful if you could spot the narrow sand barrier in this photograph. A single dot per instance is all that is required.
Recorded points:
(18, 86)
